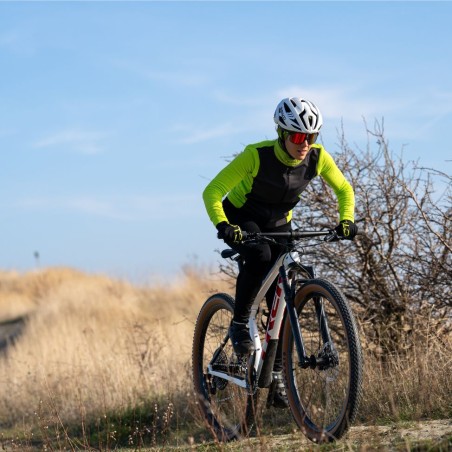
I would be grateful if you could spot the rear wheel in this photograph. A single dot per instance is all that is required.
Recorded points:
(323, 397)
(228, 408)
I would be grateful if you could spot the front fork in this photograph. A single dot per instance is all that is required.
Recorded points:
(304, 360)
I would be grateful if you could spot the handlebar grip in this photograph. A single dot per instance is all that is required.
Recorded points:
(245, 235)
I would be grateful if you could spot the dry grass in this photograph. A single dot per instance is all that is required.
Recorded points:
(92, 346)
(414, 383)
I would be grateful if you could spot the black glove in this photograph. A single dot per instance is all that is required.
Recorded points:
(346, 229)
(229, 232)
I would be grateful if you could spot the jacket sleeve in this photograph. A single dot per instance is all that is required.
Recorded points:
(333, 176)
(233, 174)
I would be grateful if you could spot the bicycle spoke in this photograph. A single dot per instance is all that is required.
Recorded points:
(227, 407)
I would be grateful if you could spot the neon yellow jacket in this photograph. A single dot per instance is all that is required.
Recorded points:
(267, 183)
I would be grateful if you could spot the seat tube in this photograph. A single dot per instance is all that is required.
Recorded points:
(270, 343)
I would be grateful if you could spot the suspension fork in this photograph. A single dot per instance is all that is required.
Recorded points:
(303, 359)
(322, 320)
(319, 308)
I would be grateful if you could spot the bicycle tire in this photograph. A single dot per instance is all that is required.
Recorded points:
(324, 403)
(227, 408)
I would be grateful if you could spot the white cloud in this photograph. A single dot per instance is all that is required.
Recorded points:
(255, 114)
(83, 141)
(251, 115)
(342, 102)
(123, 208)
(348, 103)
(403, 114)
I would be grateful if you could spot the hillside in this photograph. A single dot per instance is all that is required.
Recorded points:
(87, 358)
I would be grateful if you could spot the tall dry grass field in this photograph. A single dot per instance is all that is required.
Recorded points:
(92, 345)
(414, 383)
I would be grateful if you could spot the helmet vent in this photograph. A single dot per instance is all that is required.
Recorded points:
(296, 114)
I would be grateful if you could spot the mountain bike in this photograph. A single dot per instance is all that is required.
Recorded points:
(321, 351)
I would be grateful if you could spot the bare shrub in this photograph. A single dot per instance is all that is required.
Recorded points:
(411, 384)
(397, 274)
(401, 263)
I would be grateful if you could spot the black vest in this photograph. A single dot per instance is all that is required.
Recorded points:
(276, 188)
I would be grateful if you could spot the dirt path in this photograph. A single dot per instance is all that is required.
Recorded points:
(431, 436)
(414, 436)
(10, 330)
(404, 436)
(410, 432)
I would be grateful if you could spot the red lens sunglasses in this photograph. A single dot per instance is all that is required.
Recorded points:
(299, 138)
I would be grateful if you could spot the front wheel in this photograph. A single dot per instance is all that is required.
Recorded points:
(228, 408)
(324, 395)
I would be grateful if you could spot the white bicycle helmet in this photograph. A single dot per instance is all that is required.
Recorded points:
(298, 115)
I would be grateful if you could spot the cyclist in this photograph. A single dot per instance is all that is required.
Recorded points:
(257, 191)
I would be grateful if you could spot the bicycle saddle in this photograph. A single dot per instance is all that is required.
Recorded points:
(228, 253)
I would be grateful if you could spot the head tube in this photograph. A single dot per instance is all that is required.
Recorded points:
(291, 258)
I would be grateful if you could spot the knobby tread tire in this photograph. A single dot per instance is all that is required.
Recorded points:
(223, 433)
(325, 289)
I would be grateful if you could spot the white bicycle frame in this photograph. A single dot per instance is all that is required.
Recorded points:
(274, 322)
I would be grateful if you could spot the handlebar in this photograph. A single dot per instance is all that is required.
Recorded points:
(262, 237)
(329, 235)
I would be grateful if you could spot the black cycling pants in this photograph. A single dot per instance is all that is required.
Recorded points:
(259, 258)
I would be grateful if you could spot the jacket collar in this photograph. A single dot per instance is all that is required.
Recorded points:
(284, 157)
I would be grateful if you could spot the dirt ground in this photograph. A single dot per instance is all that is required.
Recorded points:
(435, 435)
(433, 431)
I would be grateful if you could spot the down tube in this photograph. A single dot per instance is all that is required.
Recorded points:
(268, 280)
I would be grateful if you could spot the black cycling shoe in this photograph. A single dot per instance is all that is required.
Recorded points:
(277, 396)
(240, 338)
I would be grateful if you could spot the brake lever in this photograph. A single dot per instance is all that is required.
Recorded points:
(332, 237)
(253, 238)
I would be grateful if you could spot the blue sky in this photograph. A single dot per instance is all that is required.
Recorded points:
(115, 115)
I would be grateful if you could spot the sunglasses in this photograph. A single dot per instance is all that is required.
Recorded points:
(298, 137)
